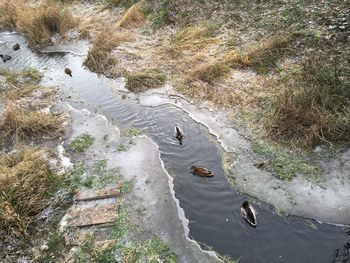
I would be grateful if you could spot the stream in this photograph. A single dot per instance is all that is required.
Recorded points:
(210, 204)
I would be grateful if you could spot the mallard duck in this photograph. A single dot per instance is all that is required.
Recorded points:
(179, 134)
(16, 47)
(201, 171)
(248, 213)
(68, 71)
(5, 57)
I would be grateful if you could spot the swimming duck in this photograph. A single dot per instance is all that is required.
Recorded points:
(5, 57)
(201, 171)
(16, 47)
(248, 213)
(68, 71)
(179, 134)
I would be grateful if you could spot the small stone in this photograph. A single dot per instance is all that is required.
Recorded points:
(44, 247)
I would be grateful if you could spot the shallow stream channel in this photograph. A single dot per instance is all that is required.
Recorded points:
(211, 205)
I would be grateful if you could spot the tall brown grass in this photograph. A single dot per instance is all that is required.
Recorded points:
(24, 187)
(99, 58)
(314, 104)
(262, 55)
(208, 73)
(191, 38)
(37, 23)
(134, 17)
(21, 125)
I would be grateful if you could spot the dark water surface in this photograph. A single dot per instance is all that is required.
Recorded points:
(209, 203)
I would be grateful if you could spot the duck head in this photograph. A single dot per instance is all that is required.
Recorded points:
(245, 204)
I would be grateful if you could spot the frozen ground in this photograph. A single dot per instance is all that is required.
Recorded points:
(154, 204)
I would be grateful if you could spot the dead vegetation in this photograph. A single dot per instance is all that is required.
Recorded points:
(313, 106)
(23, 125)
(133, 17)
(206, 73)
(193, 39)
(141, 81)
(27, 76)
(100, 58)
(24, 187)
(262, 55)
(38, 23)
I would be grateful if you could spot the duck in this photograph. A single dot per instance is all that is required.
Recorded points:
(201, 171)
(68, 71)
(248, 213)
(5, 57)
(179, 133)
(16, 47)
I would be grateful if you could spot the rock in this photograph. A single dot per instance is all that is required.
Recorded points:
(44, 247)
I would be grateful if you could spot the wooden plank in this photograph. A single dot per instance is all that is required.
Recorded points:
(98, 215)
(88, 195)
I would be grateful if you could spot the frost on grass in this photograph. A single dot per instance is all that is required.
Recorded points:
(81, 142)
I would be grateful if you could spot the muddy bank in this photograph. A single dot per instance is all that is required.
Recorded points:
(325, 199)
(153, 204)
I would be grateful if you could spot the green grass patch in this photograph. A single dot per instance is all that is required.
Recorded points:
(91, 251)
(122, 224)
(285, 165)
(55, 246)
(81, 142)
(95, 177)
(132, 132)
(151, 250)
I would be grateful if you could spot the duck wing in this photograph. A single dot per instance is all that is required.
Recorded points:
(178, 131)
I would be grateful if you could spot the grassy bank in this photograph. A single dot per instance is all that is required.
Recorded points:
(296, 50)
(36, 192)
(37, 22)
(33, 194)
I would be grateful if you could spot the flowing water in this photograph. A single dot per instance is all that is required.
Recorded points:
(210, 204)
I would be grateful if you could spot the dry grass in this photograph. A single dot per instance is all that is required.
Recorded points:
(16, 94)
(99, 58)
(133, 17)
(9, 12)
(24, 125)
(37, 23)
(191, 39)
(207, 73)
(261, 56)
(28, 76)
(24, 187)
(141, 81)
(313, 106)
